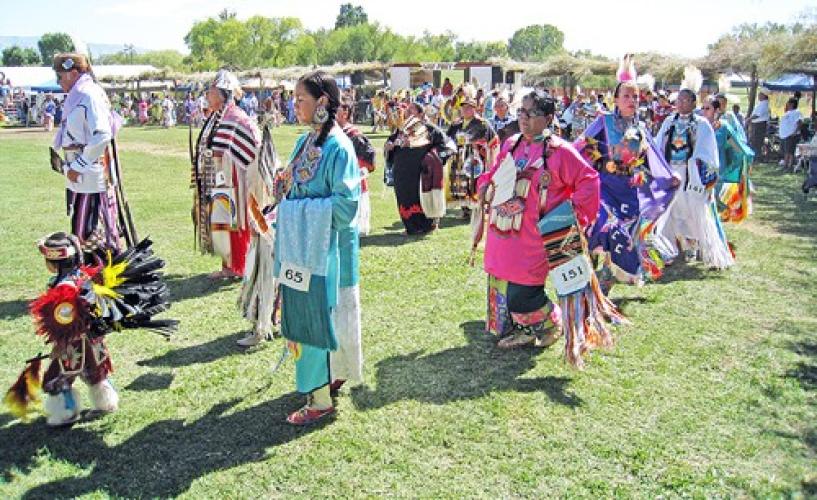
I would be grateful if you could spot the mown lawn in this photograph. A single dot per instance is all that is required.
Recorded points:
(710, 393)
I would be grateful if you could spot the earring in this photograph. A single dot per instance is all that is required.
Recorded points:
(321, 115)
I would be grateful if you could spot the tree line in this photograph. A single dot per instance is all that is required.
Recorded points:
(761, 50)
(262, 41)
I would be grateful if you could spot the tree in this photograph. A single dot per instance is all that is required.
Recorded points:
(258, 41)
(273, 40)
(225, 41)
(305, 50)
(480, 51)
(351, 15)
(18, 56)
(751, 48)
(159, 58)
(54, 43)
(438, 47)
(536, 42)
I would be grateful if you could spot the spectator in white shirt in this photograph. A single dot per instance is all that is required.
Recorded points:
(759, 122)
(788, 131)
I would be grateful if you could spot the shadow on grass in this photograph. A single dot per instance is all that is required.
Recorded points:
(453, 220)
(151, 382)
(196, 286)
(161, 459)
(13, 309)
(197, 354)
(387, 240)
(623, 303)
(805, 373)
(460, 373)
(781, 204)
(681, 271)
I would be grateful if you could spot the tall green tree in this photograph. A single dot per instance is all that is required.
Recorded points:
(273, 40)
(441, 47)
(54, 43)
(351, 15)
(480, 51)
(18, 56)
(159, 58)
(751, 48)
(536, 42)
(225, 41)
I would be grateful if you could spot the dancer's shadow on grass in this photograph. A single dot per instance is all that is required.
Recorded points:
(788, 210)
(199, 354)
(805, 374)
(460, 373)
(387, 240)
(682, 271)
(160, 460)
(151, 382)
(623, 303)
(183, 287)
(13, 309)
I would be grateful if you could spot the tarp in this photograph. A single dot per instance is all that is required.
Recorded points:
(791, 82)
(47, 87)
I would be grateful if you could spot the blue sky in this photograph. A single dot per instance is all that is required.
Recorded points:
(605, 27)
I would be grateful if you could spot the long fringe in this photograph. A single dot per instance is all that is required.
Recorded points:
(586, 315)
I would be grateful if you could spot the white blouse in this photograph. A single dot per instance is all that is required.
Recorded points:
(88, 127)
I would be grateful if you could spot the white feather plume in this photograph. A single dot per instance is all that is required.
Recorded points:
(646, 81)
(724, 84)
(693, 79)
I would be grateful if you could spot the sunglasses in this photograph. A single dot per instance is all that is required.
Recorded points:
(531, 113)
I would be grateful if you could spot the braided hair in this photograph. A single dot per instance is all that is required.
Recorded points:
(319, 84)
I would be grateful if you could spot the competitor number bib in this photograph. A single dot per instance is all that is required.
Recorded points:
(572, 276)
(294, 276)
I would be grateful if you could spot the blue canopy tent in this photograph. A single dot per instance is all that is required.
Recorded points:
(47, 87)
(791, 82)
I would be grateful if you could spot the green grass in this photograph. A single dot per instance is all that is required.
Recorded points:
(711, 392)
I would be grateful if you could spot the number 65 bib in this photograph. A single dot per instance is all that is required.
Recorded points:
(294, 276)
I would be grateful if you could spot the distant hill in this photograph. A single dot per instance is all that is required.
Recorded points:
(97, 49)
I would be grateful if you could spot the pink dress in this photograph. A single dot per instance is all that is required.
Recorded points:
(519, 256)
(143, 112)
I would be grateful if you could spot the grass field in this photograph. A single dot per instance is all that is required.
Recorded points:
(710, 393)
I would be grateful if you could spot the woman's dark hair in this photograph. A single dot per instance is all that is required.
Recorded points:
(690, 93)
(543, 103)
(318, 84)
(415, 106)
(714, 102)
